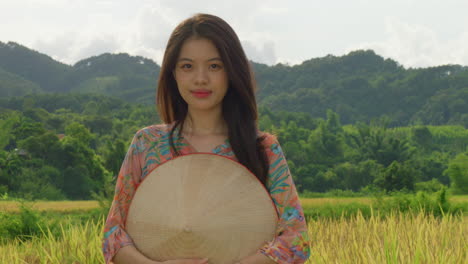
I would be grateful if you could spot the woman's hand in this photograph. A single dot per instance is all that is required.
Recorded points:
(257, 258)
(186, 261)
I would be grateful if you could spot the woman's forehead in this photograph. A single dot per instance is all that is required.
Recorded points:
(199, 49)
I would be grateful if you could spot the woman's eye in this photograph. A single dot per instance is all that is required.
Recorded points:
(215, 66)
(186, 66)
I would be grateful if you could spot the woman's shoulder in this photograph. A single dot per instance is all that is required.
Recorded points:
(153, 131)
(268, 139)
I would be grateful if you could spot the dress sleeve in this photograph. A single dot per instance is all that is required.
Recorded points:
(115, 236)
(291, 244)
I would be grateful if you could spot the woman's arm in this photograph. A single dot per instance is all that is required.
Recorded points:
(115, 236)
(257, 258)
(129, 254)
(291, 244)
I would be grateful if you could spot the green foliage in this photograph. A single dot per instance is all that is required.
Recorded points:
(397, 176)
(56, 146)
(24, 225)
(86, 135)
(428, 186)
(326, 143)
(355, 176)
(359, 86)
(79, 132)
(422, 137)
(34, 184)
(105, 196)
(458, 173)
(334, 193)
(337, 211)
(435, 204)
(33, 66)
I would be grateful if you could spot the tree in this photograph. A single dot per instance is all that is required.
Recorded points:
(325, 144)
(114, 155)
(397, 176)
(422, 137)
(43, 146)
(26, 128)
(376, 143)
(458, 173)
(355, 176)
(79, 132)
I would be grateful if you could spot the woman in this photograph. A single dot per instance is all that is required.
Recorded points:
(206, 99)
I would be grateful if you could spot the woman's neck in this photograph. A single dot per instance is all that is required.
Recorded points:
(205, 124)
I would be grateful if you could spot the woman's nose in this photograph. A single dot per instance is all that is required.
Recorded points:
(201, 76)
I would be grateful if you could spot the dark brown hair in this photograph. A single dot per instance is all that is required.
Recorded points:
(239, 107)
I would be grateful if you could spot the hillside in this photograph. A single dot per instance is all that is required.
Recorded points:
(359, 86)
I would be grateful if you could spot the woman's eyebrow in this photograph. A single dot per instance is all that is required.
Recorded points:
(215, 59)
(212, 59)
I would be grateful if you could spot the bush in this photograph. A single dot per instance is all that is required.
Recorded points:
(23, 225)
(458, 173)
(338, 211)
(431, 186)
(435, 204)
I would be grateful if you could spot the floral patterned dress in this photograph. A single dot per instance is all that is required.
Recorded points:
(150, 147)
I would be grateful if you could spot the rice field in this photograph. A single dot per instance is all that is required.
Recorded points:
(397, 238)
(12, 206)
(316, 202)
(61, 206)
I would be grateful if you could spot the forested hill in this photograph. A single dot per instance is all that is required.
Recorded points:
(358, 86)
(363, 85)
(23, 71)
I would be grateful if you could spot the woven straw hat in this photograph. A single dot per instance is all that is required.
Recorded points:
(201, 206)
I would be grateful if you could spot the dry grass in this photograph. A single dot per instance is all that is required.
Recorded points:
(315, 202)
(12, 206)
(78, 245)
(459, 198)
(396, 239)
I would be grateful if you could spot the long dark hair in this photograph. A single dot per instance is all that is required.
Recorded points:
(239, 107)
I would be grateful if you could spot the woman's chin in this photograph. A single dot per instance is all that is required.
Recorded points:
(204, 107)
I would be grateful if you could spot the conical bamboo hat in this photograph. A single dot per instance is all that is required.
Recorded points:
(201, 206)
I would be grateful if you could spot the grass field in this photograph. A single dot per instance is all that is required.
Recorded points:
(396, 238)
(12, 206)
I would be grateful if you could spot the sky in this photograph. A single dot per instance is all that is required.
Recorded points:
(415, 33)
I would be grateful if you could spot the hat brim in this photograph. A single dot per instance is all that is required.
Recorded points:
(201, 206)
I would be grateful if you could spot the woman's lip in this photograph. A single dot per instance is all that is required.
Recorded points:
(201, 93)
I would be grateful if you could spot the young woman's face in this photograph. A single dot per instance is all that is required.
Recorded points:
(200, 75)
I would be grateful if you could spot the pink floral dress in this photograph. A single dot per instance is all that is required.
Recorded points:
(150, 147)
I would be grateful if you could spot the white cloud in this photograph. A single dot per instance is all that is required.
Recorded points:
(415, 45)
(264, 53)
(418, 33)
(73, 46)
(145, 33)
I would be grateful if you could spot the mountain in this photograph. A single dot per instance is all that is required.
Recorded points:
(33, 66)
(132, 78)
(14, 85)
(362, 85)
(358, 86)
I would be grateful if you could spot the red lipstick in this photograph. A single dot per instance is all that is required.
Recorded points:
(201, 93)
